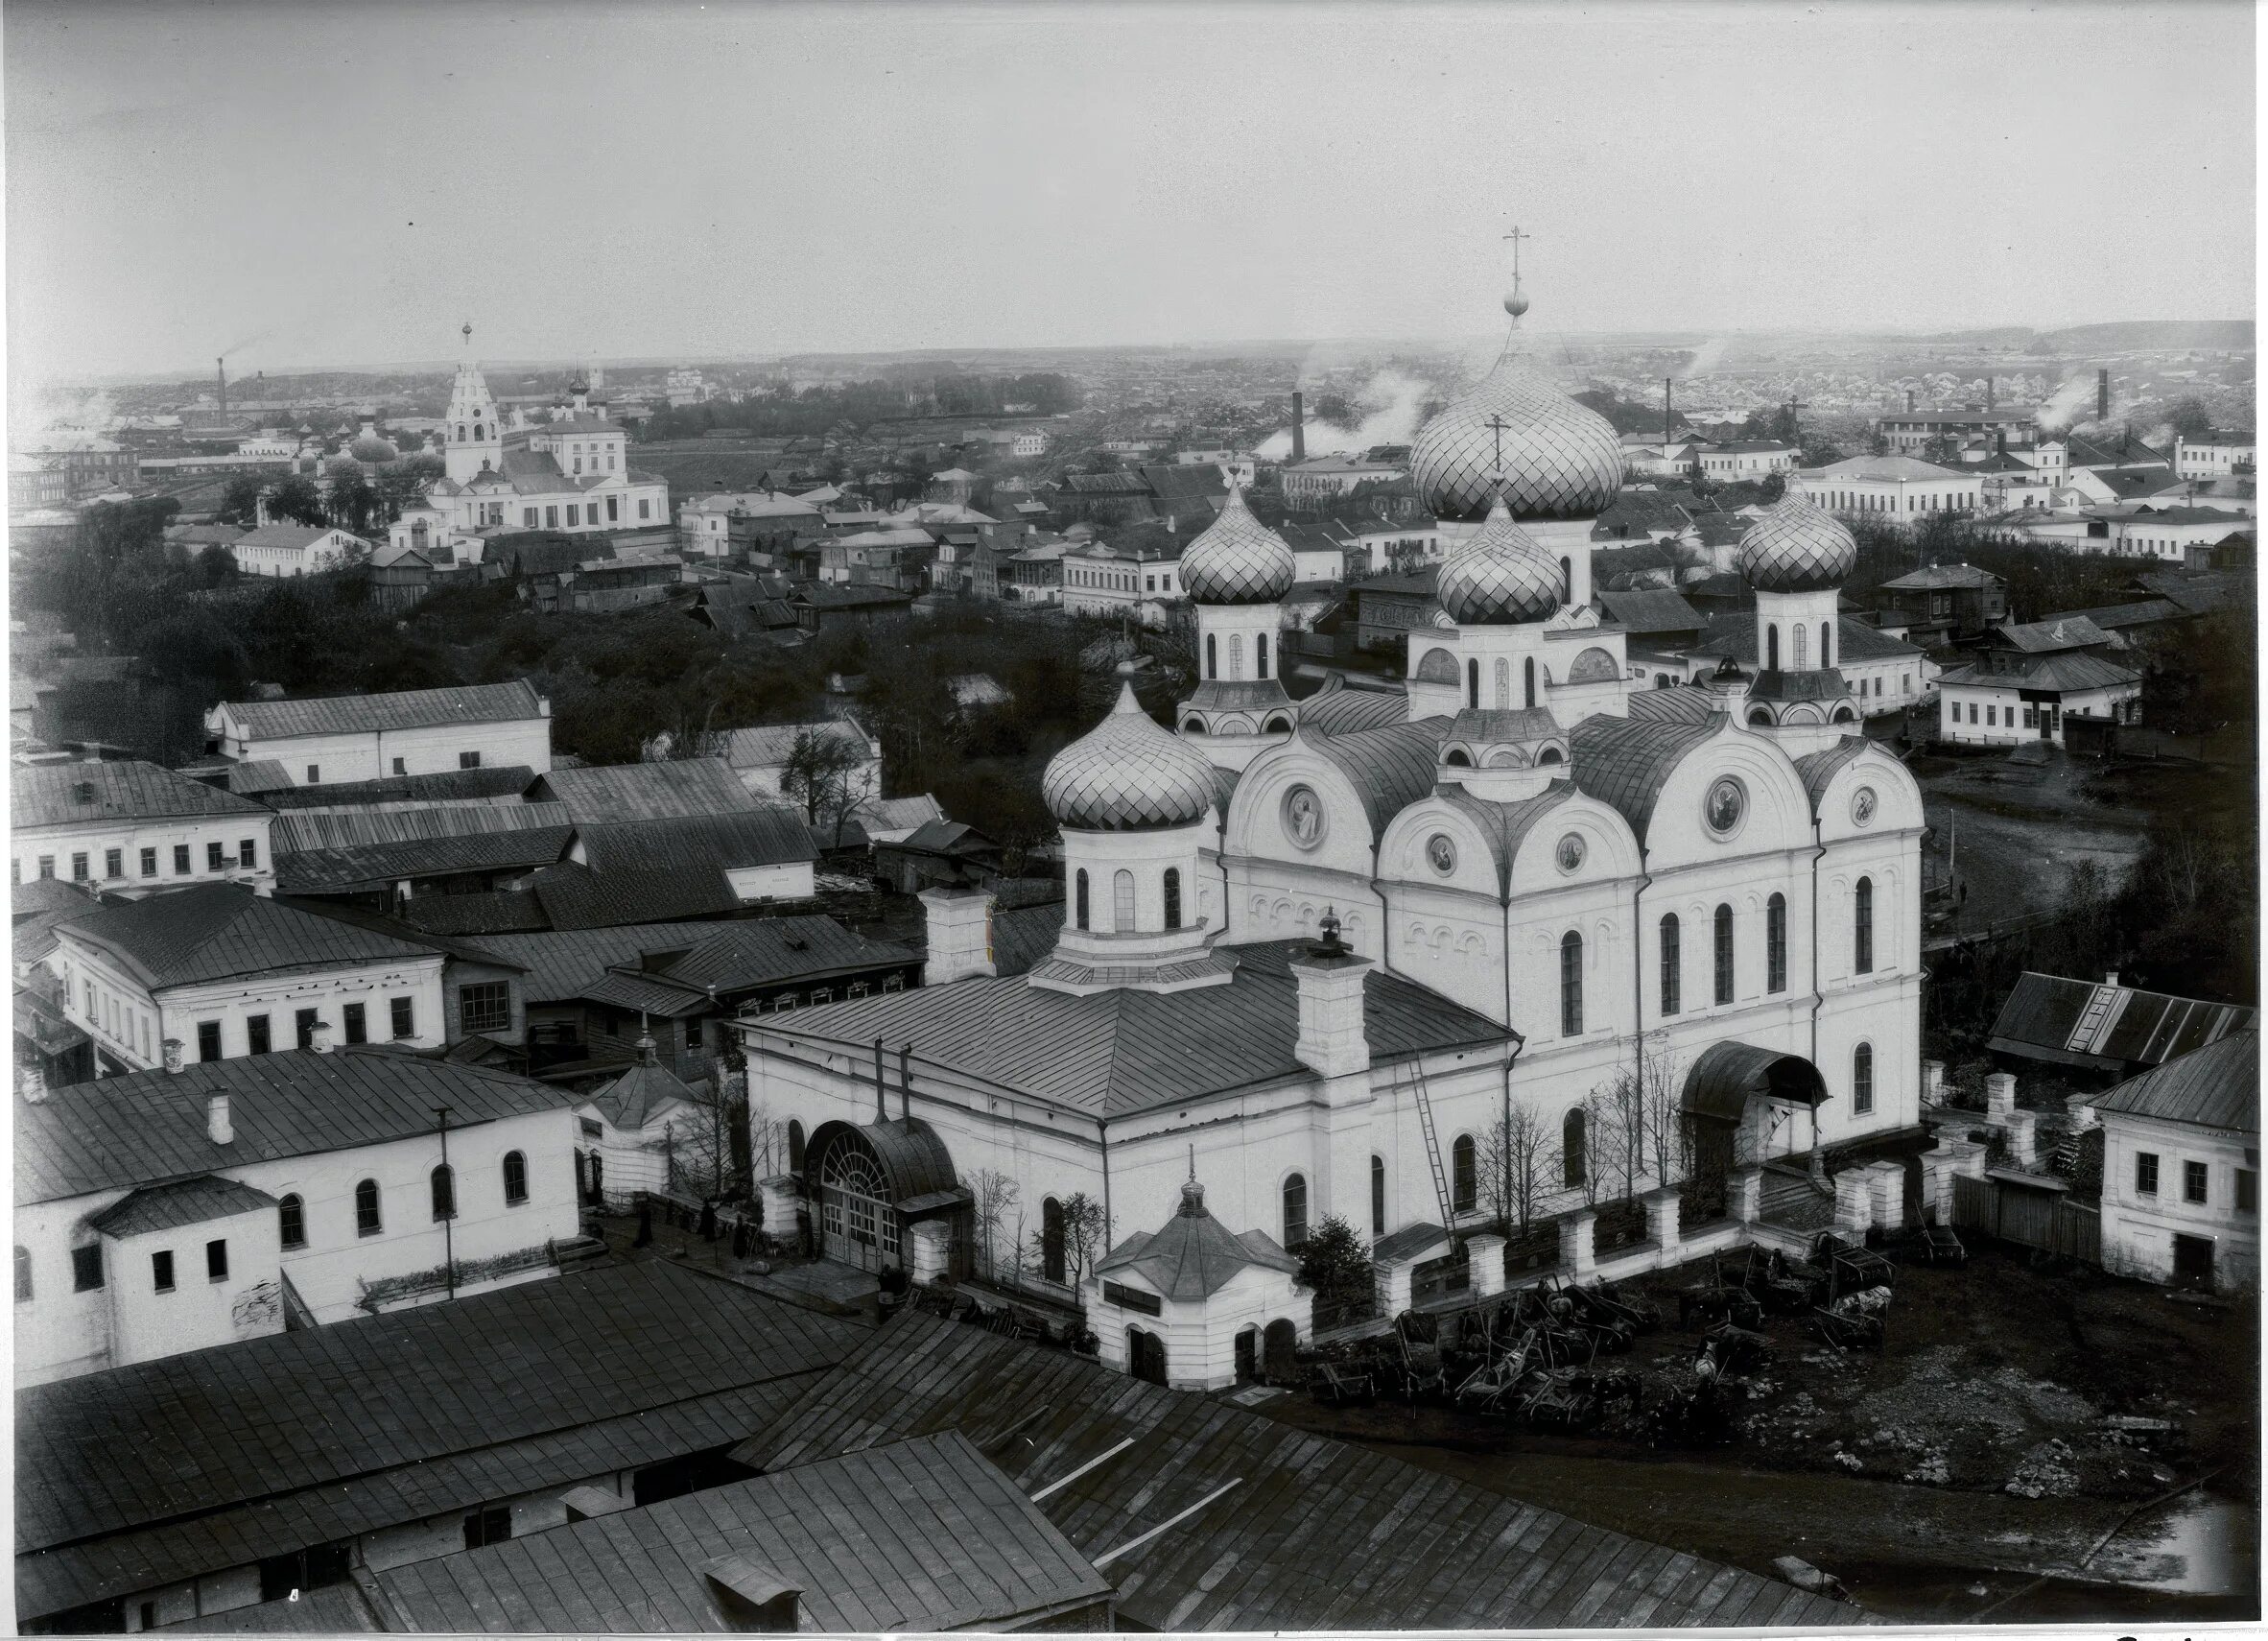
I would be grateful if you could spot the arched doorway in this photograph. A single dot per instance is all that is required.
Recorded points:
(858, 1225)
(1248, 1356)
(1283, 1351)
(1146, 1355)
(872, 1184)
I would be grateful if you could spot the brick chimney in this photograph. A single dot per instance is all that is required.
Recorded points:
(217, 1127)
(1299, 431)
(1909, 401)
(1332, 1040)
(2102, 395)
(320, 1038)
(960, 923)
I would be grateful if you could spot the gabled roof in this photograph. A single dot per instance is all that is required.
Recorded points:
(1935, 577)
(1208, 1516)
(771, 835)
(287, 536)
(356, 826)
(148, 1126)
(1878, 468)
(364, 868)
(61, 795)
(676, 788)
(1194, 1255)
(265, 1445)
(2216, 1087)
(2107, 1027)
(762, 745)
(1653, 610)
(2065, 671)
(943, 1540)
(574, 897)
(2044, 637)
(1115, 1052)
(220, 931)
(404, 709)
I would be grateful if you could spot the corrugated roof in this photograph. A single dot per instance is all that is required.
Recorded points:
(1624, 761)
(370, 866)
(63, 795)
(148, 1126)
(1118, 1052)
(418, 1413)
(1218, 1518)
(447, 786)
(2216, 1087)
(301, 829)
(178, 1203)
(219, 931)
(644, 792)
(2111, 1028)
(941, 1540)
(404, 709)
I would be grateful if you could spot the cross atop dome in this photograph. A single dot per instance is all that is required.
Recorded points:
(1516, 300)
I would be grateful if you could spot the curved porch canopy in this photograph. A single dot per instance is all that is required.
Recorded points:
(905, 1153)
(1725, 1077)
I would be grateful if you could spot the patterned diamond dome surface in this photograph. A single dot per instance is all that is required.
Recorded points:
(1127, 774)
(1501, 576)
(1237, 560)
(1797, 546)
(1561, 460)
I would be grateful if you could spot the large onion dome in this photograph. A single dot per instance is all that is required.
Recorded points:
(1797, 546)
(1237, 560)
(1559, 458)
(1127, 774)
(1500, 577)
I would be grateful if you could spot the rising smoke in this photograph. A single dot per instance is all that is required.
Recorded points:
(1390, 401)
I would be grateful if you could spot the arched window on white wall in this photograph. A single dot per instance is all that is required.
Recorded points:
(1295, 1212)
(1079, 898)
(1260, 655)
(1803, 647)
(1212, 654)
(1575, 1166)
(1464, 1175)
(1571, 984)
(1235, 655)
(1503, 681)
(1122, 902)
(1862, 1080)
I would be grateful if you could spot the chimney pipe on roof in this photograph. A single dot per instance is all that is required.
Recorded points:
(906, 1081)
(1299, 432)
(217, 1127)
(173, 1055)
(221, 371)
(882, 1112)
(319, 1038)
(1909, 401)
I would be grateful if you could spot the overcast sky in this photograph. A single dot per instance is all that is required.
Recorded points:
(301, 185)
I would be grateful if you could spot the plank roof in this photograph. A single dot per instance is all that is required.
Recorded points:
(1118, 1052)
(401, 709)
(347, 828)
(331, 1431)
(676, 787)
(64, 795)
(920, 1535)
(220, 931)
(1211, 1517)
(2106, 1026)
(2216, 1087)
(148, 1126)
(753, 836)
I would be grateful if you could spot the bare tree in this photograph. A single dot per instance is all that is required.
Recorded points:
(1521, 1177)
(995, 1201)
(1086, 1232)
(826, 772)
(1668, 1134)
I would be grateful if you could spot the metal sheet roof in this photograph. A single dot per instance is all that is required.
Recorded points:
(490, 783)
(1337, 710)
(1390, 767)
(644, 792)
(300, 829)
(1211, 1517)
(2216, 1087)
(180, 1202)
(63, 795)
(2112, 1028)
(773, 834)
(1118, 1052)
(403, 709)
(1725, 1076)
(219, 931)
(1624, 761)
(370, 866)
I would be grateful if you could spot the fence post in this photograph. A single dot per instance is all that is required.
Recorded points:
(1577, 1256)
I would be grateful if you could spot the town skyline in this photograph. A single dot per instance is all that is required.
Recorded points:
(1253, 192)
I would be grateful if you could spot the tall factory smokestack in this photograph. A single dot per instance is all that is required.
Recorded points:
(220, 370)
(1299, 431)
(1909, 401)
(1991, 383)
(2102, 395)
(1667, 416)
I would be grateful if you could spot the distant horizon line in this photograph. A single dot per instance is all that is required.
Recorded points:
(646, 361)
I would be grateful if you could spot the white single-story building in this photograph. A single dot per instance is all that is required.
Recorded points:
(2182, 1168)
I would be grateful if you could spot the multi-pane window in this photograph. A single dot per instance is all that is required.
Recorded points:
(1571, 984)
(1776, 943)
(209, 1039)
(2146, 1172)
(468, 760)
(216, 858)
(79, 868)
(149, 863)
(1172, 897)
(486, 1007)
(492, 1525)
(1724, 953)
(248, 853)
(2193, 1183)
(1862, 1079)
(113, 863)
(291, 1218)
(1465, 1174)
(405, 1017)
(1295, 1211)
(1862, 913)
(515, 1179)
(367, 1222)
(180, 860)
(1672, 981)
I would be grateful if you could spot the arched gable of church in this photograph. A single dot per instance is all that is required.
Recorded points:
(1284, 787)
(1594, 665)
(1437, 665)
(1892, 800)
(1730, 795)
(1604, 849)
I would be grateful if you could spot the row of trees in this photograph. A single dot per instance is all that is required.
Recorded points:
(846, 407)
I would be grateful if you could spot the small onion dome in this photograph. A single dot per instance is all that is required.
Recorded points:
(1237, 560)
(1127, 774)
(581, 385)
(1797, 546)
(1500, 577)
(1559, 458)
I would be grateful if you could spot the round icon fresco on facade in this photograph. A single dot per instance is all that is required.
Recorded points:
(1303, 817)
(1570, 853)
(1862, 806)
(1442, 853)
(1724, 806)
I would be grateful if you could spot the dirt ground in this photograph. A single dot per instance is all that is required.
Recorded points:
(1949, 1470)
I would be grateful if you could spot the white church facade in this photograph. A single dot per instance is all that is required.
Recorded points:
(1316, 952)
(571, 474)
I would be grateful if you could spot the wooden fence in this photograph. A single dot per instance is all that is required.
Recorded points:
(2030, 1217)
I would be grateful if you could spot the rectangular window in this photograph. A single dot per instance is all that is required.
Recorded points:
(1990, 718)
(2146, 1172)
(113, 863)
(610, 501)
(86, 1268)
(315, 775)
(216, 858)
(255, 1031)
(527, 517)
(180, 860)
(405, 1017)
(490, 1526)
(641, 508)
(2248, 1192)
(303, 1024)
(209, 1039)
(248, 853)
(399, 767)
(47, 866)
(572, 519)
(487, 1007)
(1973, 712)
(79, 867)
(2193, 1177)
(216, 1260)
(468, 760)
(149, 863)
(358, 1029)
(161, 1271)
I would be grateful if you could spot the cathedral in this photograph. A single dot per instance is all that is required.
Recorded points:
(569, 473)
(1320, 957)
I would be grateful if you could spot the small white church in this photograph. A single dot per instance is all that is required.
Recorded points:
(571, 474)
(1315, 954)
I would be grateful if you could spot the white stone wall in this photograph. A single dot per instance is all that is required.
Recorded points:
(372, 754)
(1999, 716)
(129, 837)
(2138, 1228)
